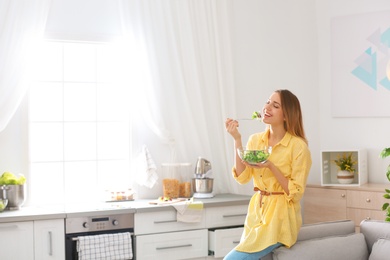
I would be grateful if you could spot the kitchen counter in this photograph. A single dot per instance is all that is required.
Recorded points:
(99, 209)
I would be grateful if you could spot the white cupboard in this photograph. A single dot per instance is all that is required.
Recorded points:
(29, 240)
(17, 240)
(49, 239)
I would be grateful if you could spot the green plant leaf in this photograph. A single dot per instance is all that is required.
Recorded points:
(385, 206)
(386, 196)
(387, 219)
(387, 190)
(388, 173)
(385, 152)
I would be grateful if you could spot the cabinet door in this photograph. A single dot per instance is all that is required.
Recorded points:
(49, 236)
(323, 204)
(17, 240)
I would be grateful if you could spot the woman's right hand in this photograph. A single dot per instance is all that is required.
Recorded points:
(231, 126)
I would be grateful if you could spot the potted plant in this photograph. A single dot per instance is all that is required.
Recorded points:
(346, 164)
(386, 152)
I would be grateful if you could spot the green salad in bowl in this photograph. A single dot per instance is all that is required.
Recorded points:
(254, 156)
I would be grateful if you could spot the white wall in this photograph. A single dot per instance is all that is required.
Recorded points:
(347, 133)
(275, 46)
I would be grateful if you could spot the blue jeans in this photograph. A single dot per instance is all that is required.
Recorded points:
(237, 255)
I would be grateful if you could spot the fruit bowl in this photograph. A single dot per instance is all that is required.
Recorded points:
(254, 156)
(3, 204)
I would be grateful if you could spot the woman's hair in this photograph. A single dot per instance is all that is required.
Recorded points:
(292, 113)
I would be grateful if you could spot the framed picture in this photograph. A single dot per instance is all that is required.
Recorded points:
(360, 53)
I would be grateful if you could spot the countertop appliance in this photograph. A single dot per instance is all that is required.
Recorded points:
(76, 227)
(202, 183)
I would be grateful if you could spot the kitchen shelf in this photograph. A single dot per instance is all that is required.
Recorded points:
(329, 169)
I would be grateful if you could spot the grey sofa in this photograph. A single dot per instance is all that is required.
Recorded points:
(339, 241)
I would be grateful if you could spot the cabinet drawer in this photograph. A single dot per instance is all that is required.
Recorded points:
(365, 199)
(358, 215)
(226, 216)
(221, 241)
(162, 221)
(174, 245)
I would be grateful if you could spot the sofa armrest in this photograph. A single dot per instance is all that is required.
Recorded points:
(374, 230)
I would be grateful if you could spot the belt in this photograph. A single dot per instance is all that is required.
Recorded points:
(266, 193)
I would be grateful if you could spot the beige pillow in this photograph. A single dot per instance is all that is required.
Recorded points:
(349, 247)
(380, 250)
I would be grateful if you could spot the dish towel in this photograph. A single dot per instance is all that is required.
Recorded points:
(147, 169)
(189, 211)
(106, 246)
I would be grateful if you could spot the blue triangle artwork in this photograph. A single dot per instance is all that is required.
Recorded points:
(366, 69)
(360, 65)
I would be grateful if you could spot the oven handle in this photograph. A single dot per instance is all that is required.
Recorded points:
(77, 238)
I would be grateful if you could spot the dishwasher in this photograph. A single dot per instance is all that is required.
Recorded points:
(92, 227)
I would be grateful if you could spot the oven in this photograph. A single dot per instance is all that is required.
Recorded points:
(81, 227)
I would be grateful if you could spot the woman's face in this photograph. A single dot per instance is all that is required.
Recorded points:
(272, 110)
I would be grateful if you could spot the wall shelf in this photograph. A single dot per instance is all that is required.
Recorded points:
(329, 169)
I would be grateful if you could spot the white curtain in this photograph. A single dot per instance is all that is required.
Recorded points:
(21, 23)
(185, 82)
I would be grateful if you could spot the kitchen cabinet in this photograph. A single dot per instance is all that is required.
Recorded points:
(158, 235)
(29, 240)
(337, 203)
(17, 240)
(49, 239)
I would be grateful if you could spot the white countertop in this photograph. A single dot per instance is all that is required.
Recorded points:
(98, 209)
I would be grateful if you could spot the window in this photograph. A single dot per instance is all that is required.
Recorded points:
(79, 122)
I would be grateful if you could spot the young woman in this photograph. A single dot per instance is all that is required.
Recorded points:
(274, 212)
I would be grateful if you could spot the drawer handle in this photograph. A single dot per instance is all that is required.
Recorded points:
(368, 218)
(343, 195)
(50, 237)
(368, 200)
(170, 247)
(236, 242)
(231, 216)
(164, 221)
(9, 227)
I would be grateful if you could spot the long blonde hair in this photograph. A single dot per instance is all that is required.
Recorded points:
(292, 113)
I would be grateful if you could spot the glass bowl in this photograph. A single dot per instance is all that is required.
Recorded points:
(254, 156)
(3, 204)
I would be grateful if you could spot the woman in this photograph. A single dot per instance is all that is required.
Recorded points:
(274, 212)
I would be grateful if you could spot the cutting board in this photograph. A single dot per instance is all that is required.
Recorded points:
(161, 202)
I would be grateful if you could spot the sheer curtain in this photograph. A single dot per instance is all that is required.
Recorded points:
(185, 82)
(22, 22)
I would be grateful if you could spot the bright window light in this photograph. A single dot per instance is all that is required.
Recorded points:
(79, 122)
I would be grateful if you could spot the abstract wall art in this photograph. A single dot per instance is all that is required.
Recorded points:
(360, 54)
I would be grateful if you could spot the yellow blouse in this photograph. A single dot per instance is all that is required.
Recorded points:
(279, 218)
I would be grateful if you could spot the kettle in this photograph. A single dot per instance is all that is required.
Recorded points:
(202, 167)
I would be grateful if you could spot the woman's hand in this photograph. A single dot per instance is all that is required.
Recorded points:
(265, 164)
(231, 126)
